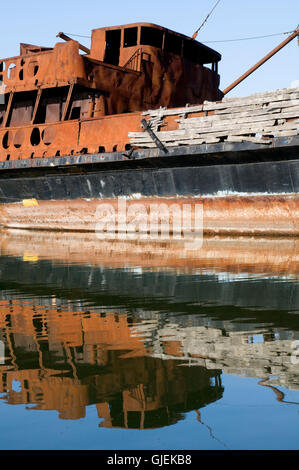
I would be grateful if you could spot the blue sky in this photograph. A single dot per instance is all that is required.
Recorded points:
(38, 23)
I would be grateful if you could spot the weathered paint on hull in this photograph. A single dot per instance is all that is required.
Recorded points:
(239, 215)
(242, 191)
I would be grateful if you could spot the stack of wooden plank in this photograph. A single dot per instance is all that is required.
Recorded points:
(256, 118)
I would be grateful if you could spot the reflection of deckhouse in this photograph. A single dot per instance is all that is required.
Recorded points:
(68, 360)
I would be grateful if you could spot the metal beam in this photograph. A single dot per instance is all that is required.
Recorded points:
(36, 105)
(261, 62)
(153, 136)
(8, 109)
(66, 108)
(67, 38)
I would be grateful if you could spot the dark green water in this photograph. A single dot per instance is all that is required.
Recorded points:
(140, 358)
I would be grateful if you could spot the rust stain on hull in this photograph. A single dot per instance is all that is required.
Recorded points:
(240, 215)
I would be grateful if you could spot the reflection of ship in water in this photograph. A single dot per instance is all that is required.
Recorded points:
(80, 265)
(262, 353)
(144, 346)
(219, 254)
(67, 359)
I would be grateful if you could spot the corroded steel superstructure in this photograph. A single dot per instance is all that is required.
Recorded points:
(59, 101)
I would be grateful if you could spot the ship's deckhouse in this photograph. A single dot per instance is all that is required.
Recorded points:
(117, 45)
(56, 100)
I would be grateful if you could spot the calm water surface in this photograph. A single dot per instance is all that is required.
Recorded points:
(103, 351)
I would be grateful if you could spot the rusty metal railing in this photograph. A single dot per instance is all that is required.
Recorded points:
(134, 63)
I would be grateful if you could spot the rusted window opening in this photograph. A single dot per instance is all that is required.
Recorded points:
(9, 98)
(198, 54)
(215, 67)
(51, 105)
(22, 108)
(191, 51)
(76, 113)
(173, 44)
(2, 113)
(151, 37)
(82, 103)
(112, 49)
(130, 37)
(41, 113)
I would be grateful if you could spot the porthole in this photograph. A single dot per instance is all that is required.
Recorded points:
(7, 139)
(48, 135)
(11, 71)
(33, 68)
(35, 137)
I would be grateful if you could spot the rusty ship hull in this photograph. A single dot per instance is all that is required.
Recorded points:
(81, 130)
(255, 196)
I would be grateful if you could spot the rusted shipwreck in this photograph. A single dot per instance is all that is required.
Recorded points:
(140, 115)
